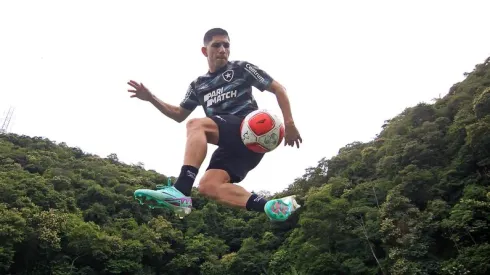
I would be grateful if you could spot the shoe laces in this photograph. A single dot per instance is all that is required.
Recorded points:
(161, 186)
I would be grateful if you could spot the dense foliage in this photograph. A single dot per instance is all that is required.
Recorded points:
(416, 200)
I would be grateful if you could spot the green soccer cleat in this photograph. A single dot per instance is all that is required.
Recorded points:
(281, 209)
(165, 197)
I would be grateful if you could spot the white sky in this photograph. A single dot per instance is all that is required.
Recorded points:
(64, 66)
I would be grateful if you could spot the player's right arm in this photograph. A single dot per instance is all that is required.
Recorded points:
(177, 113)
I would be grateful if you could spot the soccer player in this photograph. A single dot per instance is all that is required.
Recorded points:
(225, 94)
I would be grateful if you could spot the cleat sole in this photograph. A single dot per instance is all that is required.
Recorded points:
(279, 217)
(153, 203)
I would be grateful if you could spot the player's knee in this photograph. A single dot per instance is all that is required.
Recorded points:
(208, 188)
(206, 125)
(202, 124)
(211, 182)
(194, 124)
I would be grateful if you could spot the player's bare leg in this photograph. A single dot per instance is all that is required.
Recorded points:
(216, 185)
(200, 132)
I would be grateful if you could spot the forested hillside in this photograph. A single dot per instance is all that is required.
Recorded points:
(416, 200)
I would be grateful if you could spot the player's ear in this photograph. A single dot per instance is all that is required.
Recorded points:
(204, 51)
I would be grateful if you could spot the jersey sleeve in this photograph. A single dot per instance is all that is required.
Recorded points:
(256, 76)
(190, 101)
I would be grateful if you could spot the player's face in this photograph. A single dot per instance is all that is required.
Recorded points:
(218, 51)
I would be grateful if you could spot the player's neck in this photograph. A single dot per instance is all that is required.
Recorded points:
(213, 68)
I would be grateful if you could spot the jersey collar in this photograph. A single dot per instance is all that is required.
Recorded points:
(222, 69)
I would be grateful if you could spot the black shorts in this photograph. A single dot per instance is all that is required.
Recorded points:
(232, 155)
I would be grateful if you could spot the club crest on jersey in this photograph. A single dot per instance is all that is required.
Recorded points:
(228, 75)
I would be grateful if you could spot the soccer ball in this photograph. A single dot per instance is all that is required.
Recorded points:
(262, 131)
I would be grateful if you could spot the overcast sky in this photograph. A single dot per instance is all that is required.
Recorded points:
(64, 66)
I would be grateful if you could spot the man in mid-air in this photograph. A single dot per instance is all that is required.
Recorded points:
(225, 94)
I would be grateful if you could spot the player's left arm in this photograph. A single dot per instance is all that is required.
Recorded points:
(292, 134)
(283, 100)
(264, 82)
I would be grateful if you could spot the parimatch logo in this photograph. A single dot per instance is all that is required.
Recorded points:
(219, 95)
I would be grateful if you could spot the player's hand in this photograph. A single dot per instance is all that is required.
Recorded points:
(292, 136)
(140, 91)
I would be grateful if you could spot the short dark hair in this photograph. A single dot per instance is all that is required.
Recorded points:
(208, 36)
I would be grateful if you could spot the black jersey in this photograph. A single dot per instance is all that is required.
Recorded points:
(228, 90)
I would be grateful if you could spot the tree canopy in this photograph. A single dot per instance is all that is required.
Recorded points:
(414, 200)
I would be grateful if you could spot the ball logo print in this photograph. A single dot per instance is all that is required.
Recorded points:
(271, 139)
(262, 131)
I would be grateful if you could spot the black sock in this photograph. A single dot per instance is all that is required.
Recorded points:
(256, 203)
(186, 179)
